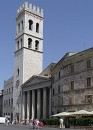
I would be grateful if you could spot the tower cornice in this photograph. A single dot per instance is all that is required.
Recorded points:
(28, 49)
(29, 35)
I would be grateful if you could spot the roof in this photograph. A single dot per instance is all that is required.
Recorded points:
(70, 55)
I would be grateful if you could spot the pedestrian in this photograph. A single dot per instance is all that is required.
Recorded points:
(61, 123)
(34, 123)
(6, 120)
(31, 123)
(41, 124)
(37, 123)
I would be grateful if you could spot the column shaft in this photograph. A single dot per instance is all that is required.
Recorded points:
(28, 105)
(49, 101)
(44, 102)
(23, 106)
(38, 104)
(33, 103)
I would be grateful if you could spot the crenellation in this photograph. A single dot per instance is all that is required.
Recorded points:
(17, 11)
(30, 8)
(41, 12)
(34, 8)
(26, 5)
(38, 9)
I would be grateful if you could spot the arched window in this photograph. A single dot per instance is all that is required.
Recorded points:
(18, 71)
(37, 27)
(18, 45)
(22, 25)
(18, 27)
(21, 43)
(36, 45)
(29, 43)
(30, 24)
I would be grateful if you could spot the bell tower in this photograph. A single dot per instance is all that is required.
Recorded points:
(28, 50)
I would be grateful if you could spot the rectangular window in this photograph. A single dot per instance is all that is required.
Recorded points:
(9, 102)
(6, 102)
(59, 89)
(88, 81)
(88, 64)
(59, 74)
(88, 99)
(72, 85)
(72, 68)
(12, 89)
(71, 100)
(9, 90)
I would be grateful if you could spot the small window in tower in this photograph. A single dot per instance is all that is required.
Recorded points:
(29, 43)
(36, 45)
(22, 25)
(21, 43)
(18, 45)
(30, 24)
(37, 27)
(18, 71)
(18, 27)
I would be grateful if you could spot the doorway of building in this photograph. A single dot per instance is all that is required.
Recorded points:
(17, 117)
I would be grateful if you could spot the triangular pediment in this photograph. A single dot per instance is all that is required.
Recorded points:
(36, 79)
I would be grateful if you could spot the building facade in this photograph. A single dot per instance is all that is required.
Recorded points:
(8, 98)
(28, 50)
(36, 95)
(72, 82)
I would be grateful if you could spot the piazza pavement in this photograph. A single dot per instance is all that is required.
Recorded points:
(27, 127)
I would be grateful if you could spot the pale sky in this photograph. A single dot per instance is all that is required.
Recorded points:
(68, 27)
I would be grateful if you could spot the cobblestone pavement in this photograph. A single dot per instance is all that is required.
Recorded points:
(27, 127)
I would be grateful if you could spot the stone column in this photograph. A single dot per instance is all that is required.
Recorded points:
(44, 102)
(49, 101)
(33, 103)
(23, 106)
(38, 104)
(28, 105)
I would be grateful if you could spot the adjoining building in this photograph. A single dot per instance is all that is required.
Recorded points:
(72, 82)
(8, 98)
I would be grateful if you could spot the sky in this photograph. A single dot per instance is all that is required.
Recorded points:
(68, 27)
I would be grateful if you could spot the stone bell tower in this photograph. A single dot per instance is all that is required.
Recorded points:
(28, 50)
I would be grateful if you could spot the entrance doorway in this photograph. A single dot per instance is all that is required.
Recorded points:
(17, 117)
